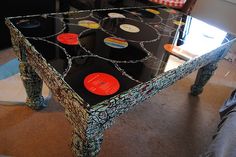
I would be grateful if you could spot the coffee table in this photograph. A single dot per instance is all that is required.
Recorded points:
(99, 64)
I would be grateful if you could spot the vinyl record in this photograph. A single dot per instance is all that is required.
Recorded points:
(39, 26)
(143, 71)
(68, 38)
(156, 48)
(100, 43)
(102, 84)
(53, 54)
(114, 14)
(164, 29)
(96, 80)
(28, 23)
(150, 15)
(129, 29)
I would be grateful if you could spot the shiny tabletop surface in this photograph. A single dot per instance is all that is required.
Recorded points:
(102, 53)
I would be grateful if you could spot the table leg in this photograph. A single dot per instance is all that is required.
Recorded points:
(204, 74)
(33, 86)
(88, 147)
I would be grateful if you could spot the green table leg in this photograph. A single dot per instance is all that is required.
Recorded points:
(33, 86)
(204, 74)
(32, 82)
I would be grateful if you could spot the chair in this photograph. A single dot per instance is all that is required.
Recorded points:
(185, 6)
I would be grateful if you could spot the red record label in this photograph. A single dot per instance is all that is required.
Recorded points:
(68, 38)
(101, 84)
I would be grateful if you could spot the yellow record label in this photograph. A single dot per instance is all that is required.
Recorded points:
(179, 23)
(153, 11)
(89, 24)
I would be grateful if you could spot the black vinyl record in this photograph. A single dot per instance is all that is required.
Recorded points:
(93, 41)
(129, 29)
(82, 67)
(39, 26)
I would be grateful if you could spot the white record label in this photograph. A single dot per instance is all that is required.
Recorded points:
(129, 28)
(115, 15)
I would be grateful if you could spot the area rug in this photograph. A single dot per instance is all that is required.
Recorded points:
(12, 90)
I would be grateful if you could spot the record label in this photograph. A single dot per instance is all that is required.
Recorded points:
(116, 42)
(89, 24)
(179, 23)
(129, 28)
(178, 51)
(115, 15)
(102, 84)
(153, 11)
(68, 38)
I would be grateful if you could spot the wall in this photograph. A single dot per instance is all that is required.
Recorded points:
(22, 7)
(217, 12)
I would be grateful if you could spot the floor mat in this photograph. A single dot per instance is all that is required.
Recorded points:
(9, 69)
(12, 91)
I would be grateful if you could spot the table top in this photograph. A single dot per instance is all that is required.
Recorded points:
(102, 53)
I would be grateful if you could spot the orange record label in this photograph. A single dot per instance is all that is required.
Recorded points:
(68, 38)
(101, 84)
(153, 11)
(176, 50)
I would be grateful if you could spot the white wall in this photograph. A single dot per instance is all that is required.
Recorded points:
(217, 12)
